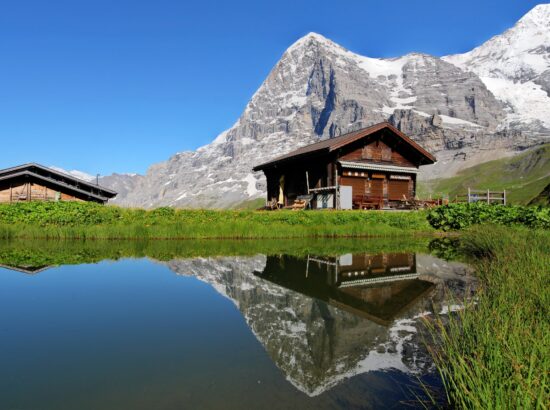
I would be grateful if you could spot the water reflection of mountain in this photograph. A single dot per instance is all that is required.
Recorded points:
(323, 320)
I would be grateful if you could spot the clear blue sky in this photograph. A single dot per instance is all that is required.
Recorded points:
(114, 86)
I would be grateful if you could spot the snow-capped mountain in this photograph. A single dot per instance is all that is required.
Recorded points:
(461, 108)
(75, 173)
(515, 67)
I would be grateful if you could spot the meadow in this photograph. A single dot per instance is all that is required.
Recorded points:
(523, 176)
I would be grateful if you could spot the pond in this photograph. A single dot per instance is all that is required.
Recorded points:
(181, 324)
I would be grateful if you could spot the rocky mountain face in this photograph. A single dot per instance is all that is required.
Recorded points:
(317, 345)
(123, 184)
(465, 108)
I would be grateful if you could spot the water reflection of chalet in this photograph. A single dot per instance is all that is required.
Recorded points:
(378, 287)
(30, 270)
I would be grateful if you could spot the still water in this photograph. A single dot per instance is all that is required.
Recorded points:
(263, 330)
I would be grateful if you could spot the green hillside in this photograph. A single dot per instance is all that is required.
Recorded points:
(524, 177)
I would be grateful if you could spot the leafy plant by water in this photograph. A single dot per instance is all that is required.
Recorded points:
(458, 216)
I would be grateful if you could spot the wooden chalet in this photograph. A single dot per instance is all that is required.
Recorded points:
(373, 167)
(34, 182)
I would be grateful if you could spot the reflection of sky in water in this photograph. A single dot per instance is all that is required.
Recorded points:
(131, 334)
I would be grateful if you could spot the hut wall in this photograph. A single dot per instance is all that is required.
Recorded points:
(22, 191)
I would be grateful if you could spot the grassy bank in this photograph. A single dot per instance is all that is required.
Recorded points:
(66, 220)
(494, 354)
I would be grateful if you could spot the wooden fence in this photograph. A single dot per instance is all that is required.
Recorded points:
(483, 195)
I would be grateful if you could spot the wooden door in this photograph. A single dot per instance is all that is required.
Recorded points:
(357, 185)
(377, 187)
(398, 188)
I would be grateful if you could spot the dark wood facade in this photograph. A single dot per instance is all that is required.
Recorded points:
(34, 182)
(378, 163)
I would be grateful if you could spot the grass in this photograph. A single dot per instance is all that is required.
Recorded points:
(495, 353)
(251, 204)
(523, 176)
(91, 221)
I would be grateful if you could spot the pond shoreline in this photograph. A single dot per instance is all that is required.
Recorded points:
(64, 236)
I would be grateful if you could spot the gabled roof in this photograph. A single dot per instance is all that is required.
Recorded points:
(59, 179)
(332, 144)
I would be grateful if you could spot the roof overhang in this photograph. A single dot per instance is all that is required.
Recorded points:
(54, 182)
(378, 167)
(28, 167)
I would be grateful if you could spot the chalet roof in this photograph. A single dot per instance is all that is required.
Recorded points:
(59, 179)
(335, 143)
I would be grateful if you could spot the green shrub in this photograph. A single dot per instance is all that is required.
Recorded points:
(459, 216)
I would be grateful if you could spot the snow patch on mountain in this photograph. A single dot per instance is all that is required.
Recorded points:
(75, 173)
(251, 189)
(515, 66)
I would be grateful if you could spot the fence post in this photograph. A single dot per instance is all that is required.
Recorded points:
(488, 196)
(468, 194)
(504, 197)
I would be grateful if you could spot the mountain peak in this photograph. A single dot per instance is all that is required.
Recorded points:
(313, 38)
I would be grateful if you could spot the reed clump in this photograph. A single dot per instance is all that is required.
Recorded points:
(494, 354)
